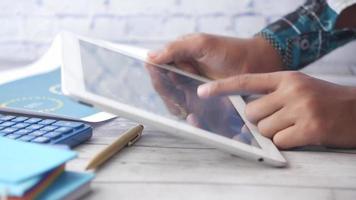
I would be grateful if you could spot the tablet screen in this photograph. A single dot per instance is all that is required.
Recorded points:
(160, 91)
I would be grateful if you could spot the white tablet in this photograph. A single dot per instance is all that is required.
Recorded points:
(117, 80)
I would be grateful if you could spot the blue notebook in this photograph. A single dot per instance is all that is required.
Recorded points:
(24, 165)
(19, 189)
(21, 161)
(69, 185)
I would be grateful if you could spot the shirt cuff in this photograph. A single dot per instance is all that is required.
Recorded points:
(306, 34)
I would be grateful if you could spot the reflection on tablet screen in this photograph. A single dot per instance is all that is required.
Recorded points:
(159, 91)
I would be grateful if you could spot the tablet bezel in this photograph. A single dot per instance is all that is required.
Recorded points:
(73, 85)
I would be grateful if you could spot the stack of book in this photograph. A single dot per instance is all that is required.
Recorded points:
(33, 171)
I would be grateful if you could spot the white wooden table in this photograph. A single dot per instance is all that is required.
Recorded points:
(160, 166)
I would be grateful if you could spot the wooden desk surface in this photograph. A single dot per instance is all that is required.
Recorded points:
(161, 166)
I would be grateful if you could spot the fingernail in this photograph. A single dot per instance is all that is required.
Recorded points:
(203, 90)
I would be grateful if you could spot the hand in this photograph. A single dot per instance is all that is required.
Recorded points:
(297, 110)
(169, 90)
(219, 57)
(179, 95)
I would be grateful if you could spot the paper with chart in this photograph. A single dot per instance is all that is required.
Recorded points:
(42, 93)
(36, 89)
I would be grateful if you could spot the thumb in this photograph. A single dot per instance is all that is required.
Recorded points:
(241, 84)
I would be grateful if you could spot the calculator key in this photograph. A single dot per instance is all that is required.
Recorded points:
(7, 124)
(8, 130)
(23, 132)
(33, 120)
(38, 133)
(53, 135)
(13, 136)
(69, 124)
(47, 121)
(21, 125)
(3, 134)
(7, 117)
(35, 127)
(41, 140)
(19, 119)
(49, 128)
(64, 130)
(26, 138)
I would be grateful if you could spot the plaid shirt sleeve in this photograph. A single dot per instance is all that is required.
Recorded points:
(309, 33)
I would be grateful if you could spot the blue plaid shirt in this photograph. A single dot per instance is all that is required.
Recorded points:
(309, 33)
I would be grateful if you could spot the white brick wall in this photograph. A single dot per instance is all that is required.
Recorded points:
(28, 26)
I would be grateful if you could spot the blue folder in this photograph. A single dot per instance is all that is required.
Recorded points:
(21, 161)
(68, 184)
(23, 165)
(19, 189)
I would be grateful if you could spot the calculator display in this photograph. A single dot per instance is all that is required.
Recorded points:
(160, 91)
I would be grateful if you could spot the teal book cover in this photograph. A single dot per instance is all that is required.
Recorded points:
(42, 93)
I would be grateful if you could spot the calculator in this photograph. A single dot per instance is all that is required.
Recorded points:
(44, 130)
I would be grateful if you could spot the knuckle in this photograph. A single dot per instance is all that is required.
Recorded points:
(171, 46)
(241, 81)
(293, 75)
(203, 43)
(316, 126)
(264, 129)
(310, 104)
(313, 132)
(298, 87)
(217, 86)
(185, 37)
(296, 83)
(279, 142)
(250, 112)
(202, 37)
(269, 76)
(203, 40)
